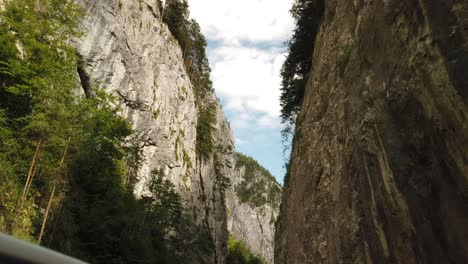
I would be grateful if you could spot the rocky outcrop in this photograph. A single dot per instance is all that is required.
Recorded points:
(127, 51)
(251, 219)
(379, 164)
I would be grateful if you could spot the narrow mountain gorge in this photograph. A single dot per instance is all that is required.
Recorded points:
(114, 147)
(378, 172)
(129, 50)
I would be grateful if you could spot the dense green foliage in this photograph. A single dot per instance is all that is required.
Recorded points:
(37, 112)
(105, 224)
(258, 187)
(72, 151)
(239, 253)
(296, 68)
(205, 129)
(188, 33)
(193, 44)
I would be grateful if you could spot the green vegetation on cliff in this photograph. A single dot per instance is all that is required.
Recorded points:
(63, 166)
(188, 33)
(296, 68)
(258, 187)
(239, 253)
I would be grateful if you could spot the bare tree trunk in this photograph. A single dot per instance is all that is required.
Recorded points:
(52, 194)
(188, 65)
(44, 222)
(31, 169)
(27, 184)
(32, 178)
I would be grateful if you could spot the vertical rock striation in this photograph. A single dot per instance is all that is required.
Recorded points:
(379, 164)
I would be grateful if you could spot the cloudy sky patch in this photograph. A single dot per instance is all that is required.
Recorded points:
(246, 51)
(243, 20)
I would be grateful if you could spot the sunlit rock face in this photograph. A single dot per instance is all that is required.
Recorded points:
(128, 52)
(379, 167)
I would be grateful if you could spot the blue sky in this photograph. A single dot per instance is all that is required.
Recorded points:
(246, 51)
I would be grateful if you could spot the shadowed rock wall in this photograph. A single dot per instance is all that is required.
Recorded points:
(379, 168)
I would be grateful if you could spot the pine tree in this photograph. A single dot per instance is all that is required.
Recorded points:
(296, 68)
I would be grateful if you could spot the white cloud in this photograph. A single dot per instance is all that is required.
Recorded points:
(240, 120)
(269, 122)
(248, 78)
(249, 20)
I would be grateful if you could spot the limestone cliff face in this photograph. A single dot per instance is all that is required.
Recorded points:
(127, 51)
(250, 218)
(379, 168)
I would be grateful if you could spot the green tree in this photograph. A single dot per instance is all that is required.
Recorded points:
(205, 129)
(239, 253)
(176, 16)
(37, 76)
(296, 68)
(95, 209)
(173, 231)
(259, 187)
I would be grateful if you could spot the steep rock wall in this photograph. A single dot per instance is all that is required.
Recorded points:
(127, 51)
(379, 164)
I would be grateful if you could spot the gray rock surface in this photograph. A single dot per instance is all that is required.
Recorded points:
(379, 166)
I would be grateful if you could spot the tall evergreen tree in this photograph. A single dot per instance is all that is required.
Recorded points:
(296, 68)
